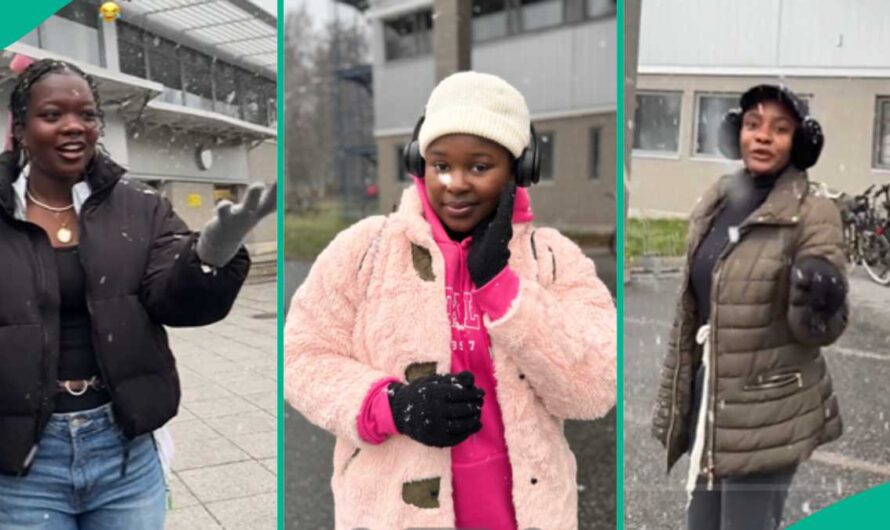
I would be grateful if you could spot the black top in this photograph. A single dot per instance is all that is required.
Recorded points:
(77, 358)
(739, 203)
(142, 273)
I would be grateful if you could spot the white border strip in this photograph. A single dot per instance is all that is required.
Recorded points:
(764, 71)
(398, 9)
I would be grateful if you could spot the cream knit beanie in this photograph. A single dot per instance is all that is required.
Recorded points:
(481, 104)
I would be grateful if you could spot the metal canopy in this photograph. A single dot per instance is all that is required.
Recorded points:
(187, 118)
(233, 29)
(114, 87)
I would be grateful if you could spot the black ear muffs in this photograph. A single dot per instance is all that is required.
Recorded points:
(728, 136)
(806, 146)
(412, 160)
(526, 168)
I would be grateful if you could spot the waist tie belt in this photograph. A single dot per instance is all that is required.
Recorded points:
(702, 337)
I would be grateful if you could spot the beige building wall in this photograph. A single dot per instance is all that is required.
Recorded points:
(192, 201)
(262, 166)
(669, 184)
(571, 201)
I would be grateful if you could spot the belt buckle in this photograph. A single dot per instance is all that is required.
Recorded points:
(78, 387)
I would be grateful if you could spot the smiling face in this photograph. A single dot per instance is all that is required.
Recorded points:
(61, 128)
(464, 176)
(766, 137)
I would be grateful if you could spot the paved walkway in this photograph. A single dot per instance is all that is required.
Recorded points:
(225, 434)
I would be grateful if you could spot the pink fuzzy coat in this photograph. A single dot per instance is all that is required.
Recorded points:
(373, 306)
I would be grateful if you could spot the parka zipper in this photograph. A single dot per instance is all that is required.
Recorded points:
(674, 390)
(42, 290)
(744, 228)
(89, 300)
(776, 381)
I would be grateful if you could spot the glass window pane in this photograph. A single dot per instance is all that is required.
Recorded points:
(545, 144)
(197, 79)
(409, 35)
(82, 13)
(711, 109)
(594, 152)
(538, 14)
(128, 33)
(132, 58)
(401, 174)
(165, 70)
(163, 62)
(657, 122)
(489, 19)
(226, 90)
(252, 98)
(599, 8)
(883, 139)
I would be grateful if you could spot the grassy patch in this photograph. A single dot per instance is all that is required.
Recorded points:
(305, 236)
(655, 237)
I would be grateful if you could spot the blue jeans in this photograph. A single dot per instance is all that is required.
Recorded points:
(75, 481)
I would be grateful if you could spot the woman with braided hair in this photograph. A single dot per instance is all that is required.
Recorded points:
(93, 266)
(745, 389)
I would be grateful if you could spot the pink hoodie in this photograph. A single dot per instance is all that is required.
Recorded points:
(481, 472)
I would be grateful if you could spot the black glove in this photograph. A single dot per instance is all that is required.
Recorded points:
(489, 253)
(437, 410)
(816, 283)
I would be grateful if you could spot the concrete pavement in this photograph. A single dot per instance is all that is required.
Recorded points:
(860, 369)
(224, 469)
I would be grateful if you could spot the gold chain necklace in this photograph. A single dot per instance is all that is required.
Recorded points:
(63, 234)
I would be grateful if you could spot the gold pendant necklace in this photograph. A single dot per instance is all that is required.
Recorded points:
(63, 234)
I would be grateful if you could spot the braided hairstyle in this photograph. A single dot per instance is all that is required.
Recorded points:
(21, 94)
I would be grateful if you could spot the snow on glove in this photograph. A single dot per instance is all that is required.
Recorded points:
(222, 236)
(489, 253)
(437, 410)
(816, 283)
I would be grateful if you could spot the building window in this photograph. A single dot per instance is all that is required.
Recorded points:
(657, 121)
(226, 90)
(164, 67)
(401, 174)
(594, 153)
(545, 145)
(600, 8)
(537, 14)
(882, 130)
(489, 19)
(709, 112)
(131, 51)
(409, 35)
(197, 79)
(81, 12)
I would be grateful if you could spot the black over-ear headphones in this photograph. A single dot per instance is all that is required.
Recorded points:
(806, 146)
(526, 168)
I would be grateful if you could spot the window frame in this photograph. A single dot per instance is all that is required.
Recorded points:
(879, 131)
(551, 133)
(696, 111)
(401, 174)
(594, 158)
(656, 152)
(422, 20)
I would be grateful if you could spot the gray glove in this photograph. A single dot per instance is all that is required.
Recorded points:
(222, 236)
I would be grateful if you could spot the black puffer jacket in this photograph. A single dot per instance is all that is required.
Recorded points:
(141, 273)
